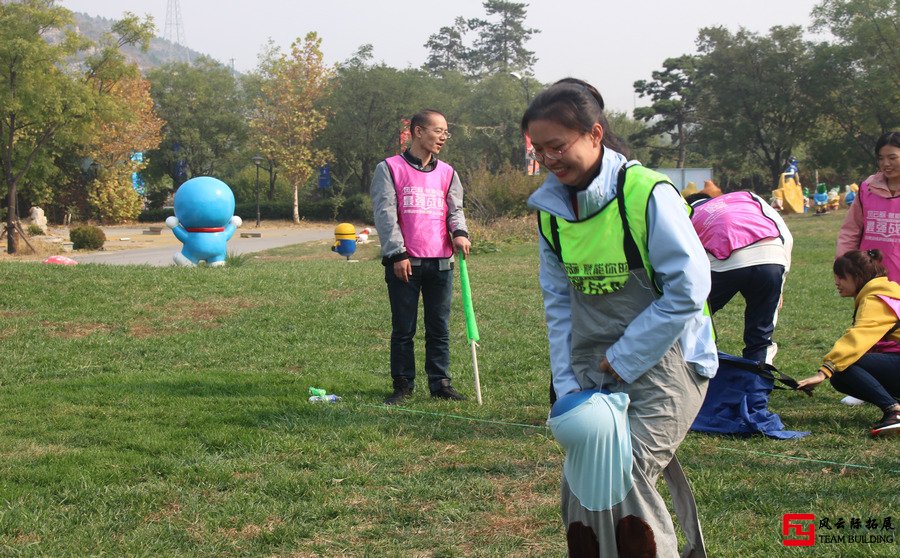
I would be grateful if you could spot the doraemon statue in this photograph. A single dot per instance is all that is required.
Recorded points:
(204, 221)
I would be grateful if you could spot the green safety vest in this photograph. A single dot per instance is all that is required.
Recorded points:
(599, 251)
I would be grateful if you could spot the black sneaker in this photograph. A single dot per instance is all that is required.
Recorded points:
(401, 393)
(890, 424)
(447, 392)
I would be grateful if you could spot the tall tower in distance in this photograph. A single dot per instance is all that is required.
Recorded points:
(174, 30)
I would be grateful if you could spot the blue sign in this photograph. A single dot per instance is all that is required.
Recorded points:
(136, 181)
(325, 177)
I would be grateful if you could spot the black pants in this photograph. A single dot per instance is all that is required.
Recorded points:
(436, 288)
(873, 378)
(760, 285)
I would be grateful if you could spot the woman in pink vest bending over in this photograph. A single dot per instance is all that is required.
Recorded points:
(874, 219)
(749, 248)
(865, 361)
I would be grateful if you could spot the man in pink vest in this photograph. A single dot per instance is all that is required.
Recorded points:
(417, 203)
(749, 249)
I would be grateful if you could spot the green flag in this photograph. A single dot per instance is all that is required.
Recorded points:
(471, 326)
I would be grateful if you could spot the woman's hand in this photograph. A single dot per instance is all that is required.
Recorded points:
(811, 382)
(607, 368)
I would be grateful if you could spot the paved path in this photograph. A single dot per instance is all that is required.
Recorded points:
(161, 255)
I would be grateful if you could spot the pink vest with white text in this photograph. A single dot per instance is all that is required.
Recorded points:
(422, 207)
(885, 345)
(882, 228)
(731, 222)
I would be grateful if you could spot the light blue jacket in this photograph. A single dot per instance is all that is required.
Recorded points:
(680, 267)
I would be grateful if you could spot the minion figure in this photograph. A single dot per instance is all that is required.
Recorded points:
(204, 221)
(344, 240)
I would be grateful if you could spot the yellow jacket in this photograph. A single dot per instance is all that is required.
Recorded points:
(872, 321)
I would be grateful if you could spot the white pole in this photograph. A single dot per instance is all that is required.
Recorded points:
(477, 378)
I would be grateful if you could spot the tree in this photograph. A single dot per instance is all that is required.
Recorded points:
(138, 129)
(46, 99)
(486, 130)
(626, 128)
(252, 85)
(862, 66)
(369, 103)
(500, 46)
(447, 50)
(289, 116)
(755, 95)
(673, 111)
(205, 115)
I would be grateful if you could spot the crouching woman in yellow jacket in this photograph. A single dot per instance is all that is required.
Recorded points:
(865, 361)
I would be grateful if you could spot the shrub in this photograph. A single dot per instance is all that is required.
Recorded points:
(490, 196)
(87, 237)
(357, 207)
(112, 195)
(279, 210)
(156, 215)
(35, 230)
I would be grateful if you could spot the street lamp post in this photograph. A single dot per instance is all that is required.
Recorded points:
(257, 160)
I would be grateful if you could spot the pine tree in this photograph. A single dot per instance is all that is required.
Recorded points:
(500, 46)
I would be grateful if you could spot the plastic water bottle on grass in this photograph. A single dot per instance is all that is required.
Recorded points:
(329, 398)
(319, 395)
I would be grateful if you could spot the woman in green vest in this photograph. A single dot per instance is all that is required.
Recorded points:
(625, 281)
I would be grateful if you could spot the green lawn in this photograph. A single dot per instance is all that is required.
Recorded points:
(163, 412)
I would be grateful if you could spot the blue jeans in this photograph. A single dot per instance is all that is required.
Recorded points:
(874, 378)
(436, 287)
(760, 285)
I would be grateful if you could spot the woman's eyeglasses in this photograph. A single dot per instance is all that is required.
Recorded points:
(549, 155)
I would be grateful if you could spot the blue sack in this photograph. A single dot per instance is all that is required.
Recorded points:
(737, 400)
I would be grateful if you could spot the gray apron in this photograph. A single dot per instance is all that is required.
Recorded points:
(664, 402)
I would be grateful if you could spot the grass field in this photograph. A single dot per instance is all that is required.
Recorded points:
(163, 412)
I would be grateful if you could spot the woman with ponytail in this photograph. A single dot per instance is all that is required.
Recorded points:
(865, 361)
(624, 280)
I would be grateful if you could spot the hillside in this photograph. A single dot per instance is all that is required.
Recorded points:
(160, 52)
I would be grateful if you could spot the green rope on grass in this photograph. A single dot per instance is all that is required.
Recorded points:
(794, 457)
(544, 427)
(460, 417)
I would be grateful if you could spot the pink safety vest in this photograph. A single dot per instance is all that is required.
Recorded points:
(422, 207)
(885, 345)
(731, 222)
(882, 228)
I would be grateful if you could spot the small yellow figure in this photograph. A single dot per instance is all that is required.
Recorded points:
(690, 189)
(344, 240)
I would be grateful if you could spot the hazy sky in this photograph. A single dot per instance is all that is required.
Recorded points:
(610, 44)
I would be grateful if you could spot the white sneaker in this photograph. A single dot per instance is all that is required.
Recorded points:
(852, 401)
(889, 425)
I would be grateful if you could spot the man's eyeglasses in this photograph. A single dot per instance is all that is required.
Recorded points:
(549, 155)
(441, 132)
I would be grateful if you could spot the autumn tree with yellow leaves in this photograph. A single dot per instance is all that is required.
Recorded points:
(288, 116)
(138, 129)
